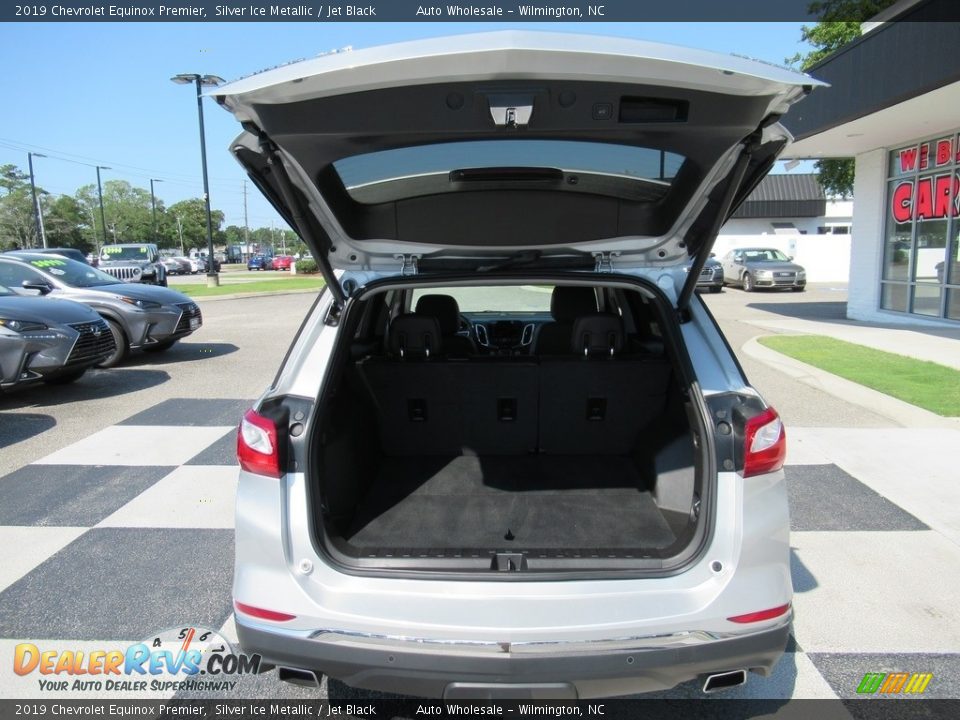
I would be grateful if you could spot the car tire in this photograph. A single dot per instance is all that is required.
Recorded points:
(715, 289)
(65, 378)
(747, 281)
(160, 346)
(798, 289)
(123, 346)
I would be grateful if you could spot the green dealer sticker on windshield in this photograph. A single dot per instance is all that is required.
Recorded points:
(47, 263)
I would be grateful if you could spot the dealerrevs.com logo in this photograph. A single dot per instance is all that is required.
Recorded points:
(190, 658)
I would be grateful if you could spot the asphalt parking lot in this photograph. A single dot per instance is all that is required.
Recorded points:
(132, 531)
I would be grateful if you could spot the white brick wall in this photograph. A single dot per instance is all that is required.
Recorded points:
(866, 247)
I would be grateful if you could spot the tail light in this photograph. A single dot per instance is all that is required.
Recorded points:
(765, 443)
(257, 448)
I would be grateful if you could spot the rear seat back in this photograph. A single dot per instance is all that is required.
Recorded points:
(597, 402)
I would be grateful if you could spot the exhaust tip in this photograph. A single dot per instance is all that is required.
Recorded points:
(299, 676)
(724, 680)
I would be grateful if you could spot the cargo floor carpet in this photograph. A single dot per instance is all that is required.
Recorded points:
(508, 503)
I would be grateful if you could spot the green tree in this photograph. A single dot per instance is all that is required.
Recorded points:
(191, 216)
(839, 24)
(17, 217)
(127, 210)
(66, 223)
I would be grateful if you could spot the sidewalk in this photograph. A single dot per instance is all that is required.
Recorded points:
(935, 344)
(939, 345)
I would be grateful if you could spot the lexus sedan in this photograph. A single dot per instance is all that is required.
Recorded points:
(755, 268)
(49, 340)
(138, 316)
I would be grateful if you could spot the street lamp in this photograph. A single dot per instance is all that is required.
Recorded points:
(210, 81)
(37, 215)
(103, 219)
(153, 205)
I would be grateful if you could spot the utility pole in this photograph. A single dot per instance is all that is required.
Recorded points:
(213, 280)
(103, 219)
(246, 222)
(37, 212)
(153, 204)
(180, 233)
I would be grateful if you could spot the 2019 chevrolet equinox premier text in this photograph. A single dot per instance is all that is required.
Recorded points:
(510, 452)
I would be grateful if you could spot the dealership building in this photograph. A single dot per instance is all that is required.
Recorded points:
(894, 105)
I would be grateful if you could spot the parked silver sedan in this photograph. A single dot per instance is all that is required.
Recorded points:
(146, 317)
(753, 268)
(54, 341)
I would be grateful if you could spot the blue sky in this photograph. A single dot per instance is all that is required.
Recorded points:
(99, 93)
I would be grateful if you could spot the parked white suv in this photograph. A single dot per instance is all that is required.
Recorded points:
(510, 452)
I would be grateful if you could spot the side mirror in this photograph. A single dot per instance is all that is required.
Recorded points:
(790, 257)
(713, 254)
(38, 285)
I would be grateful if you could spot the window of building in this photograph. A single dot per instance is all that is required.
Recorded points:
(921, 272)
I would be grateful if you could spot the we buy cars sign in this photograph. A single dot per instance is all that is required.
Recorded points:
(932, 197)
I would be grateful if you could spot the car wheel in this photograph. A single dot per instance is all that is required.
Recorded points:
(123, 347)
(798, 289)
(65, 378)
(160, 346)
(715, 288)
(747, 282)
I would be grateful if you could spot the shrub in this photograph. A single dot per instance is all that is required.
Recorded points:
(307, 266)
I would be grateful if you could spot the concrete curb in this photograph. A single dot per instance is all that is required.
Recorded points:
(898, 411)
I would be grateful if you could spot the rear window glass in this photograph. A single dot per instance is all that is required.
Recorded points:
(627, 161)
(498, 299)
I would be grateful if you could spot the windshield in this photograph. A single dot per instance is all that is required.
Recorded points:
(118, 252)
(764, 255)
(71, 272)
(499, 299)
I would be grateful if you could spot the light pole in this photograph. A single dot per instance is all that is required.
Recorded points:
(210, 81)
(103, 219)
(37, 215)
(153, 205)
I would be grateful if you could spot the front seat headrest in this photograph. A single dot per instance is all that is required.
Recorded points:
(597, 334)
(414, 336)
(569, 303)
(444, 308)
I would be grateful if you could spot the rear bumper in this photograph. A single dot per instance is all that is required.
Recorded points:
(410, 668)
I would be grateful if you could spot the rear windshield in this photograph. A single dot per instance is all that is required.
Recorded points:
(498, 299)
(640, 163)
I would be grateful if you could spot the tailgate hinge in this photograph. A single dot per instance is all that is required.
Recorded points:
(408, 264)
(604, 261)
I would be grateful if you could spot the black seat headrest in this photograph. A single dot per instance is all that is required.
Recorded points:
(414, 336)
(569, 303)
(597, 334)
(444, 308)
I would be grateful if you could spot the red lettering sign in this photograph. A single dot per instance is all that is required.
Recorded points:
(944, 151)
(902, 202)
(908, 159)
(934, 198)
(924, 156)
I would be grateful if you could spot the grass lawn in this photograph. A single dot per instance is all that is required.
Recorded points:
(925, 384)
(311, 282)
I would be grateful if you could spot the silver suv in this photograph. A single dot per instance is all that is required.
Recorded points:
(134, 263)
(510, 452)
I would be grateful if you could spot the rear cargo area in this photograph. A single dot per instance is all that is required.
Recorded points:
(549, 457)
